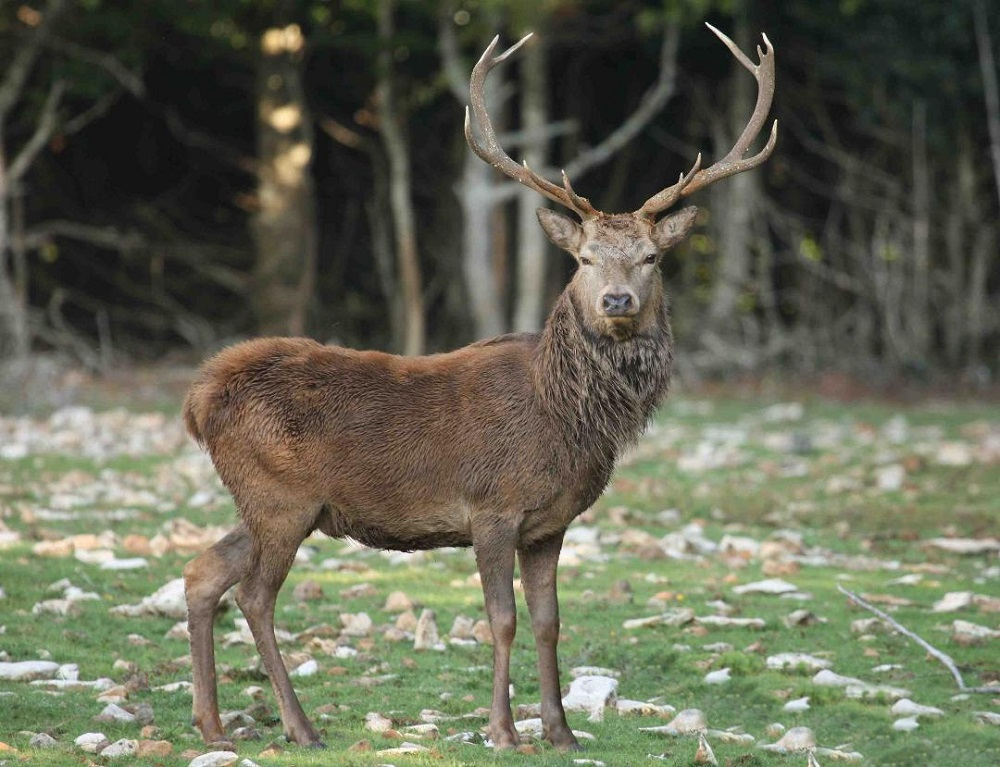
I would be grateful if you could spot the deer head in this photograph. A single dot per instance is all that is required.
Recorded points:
(617, 287)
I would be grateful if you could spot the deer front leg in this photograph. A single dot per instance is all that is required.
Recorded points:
(538, 576)
(206, 579)
(494, 548)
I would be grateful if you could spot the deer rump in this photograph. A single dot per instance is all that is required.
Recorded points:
(393, 452)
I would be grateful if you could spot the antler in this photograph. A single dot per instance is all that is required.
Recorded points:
(491, 151)
(734, 162)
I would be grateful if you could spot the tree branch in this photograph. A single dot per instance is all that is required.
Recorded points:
(24, 59)
(991, 91)
(43, 132)
(936, 653)
(125, 77)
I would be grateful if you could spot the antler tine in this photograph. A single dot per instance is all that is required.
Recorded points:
(734, 162)
(490, 149)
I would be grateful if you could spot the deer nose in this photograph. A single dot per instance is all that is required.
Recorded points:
(617, 304)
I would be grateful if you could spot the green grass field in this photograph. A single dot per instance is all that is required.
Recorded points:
(815, 493)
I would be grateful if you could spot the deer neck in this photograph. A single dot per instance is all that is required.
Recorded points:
(601, 392)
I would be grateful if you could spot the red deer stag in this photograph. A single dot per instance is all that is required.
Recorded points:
(498, 445)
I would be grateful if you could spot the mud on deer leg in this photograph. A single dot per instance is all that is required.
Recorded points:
(538, 576)
(256, 597)
(494, 549)
(206, 579)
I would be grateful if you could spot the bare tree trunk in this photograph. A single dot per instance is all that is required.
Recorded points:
(733, 207)
(398, 153)
(532, 246)
(991, 91)
(284, 227)
(15, 333)
(918, 303)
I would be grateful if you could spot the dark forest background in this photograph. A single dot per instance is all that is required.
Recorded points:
(175, 175)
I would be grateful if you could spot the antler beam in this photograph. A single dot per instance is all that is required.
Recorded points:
(734, 162)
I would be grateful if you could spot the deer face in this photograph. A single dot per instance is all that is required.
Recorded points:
(617, 286)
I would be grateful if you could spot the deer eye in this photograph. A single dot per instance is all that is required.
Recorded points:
(650, 259)
(584, 261)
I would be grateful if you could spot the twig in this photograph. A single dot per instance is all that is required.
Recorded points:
(941, 656)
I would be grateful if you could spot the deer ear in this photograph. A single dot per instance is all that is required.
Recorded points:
(563, 231)
(671, 229)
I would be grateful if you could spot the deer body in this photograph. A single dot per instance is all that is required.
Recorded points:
(498, 445)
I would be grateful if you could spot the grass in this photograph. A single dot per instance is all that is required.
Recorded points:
(816, 475)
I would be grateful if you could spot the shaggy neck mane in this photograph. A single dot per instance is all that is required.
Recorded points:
(602, 392)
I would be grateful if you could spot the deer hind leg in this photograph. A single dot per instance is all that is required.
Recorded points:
(277, 534)
(494, 548)
(538, 576)
(206, 579)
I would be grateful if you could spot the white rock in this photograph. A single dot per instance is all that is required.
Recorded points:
(670, 618)
(953, 601)
(987, 717)
(120, 749)
(309, 668)
(403, 748)
(720, 676)
(973, 631)
(798, 705)
(114, 713)
(795, 660)
(27, 670)
(857, 688)
(906, 724)
(181, 686)
(954, 454)
(739, 544)
(91, 742)
(398, 602)
(43, 740)
(133, 563)
(769, 586)
(688, 721)
(425, 635)
(74, 685)
(214, 759)
(356, 624)
(890, 478)
(578, 671)
(906, 707)
(626, 707)
(724, 621)
(167, 601)
(970, 546)
(796, 739)
(591, 694)
(375, 722)
(427, 730)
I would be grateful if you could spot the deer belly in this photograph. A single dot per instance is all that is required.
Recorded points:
(404, 528)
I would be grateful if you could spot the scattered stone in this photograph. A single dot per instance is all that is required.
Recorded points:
(307, 591)
(954, 454)
(626, 707)
(906, 724)
(461, 628)
(724, 621)
(856, 688)
(154, 749)
(403, 748)
(92, 742)
(591, 694)
(214, 759)
(987, 717)
(967, 546)
(578, 671)
(798, 705)
(42, 740)
(796, 739)
(797, 660)
(425, 635)
(115, 713)
(120, 749)
(397, 602)
(356, 624)
(967, 633)
(906, 707)
(721, 676)
(309, 668)
(28, 670)
(670, 618)
(167, 601)
(375, 722)
(890, 478)
(425, 731)
(802, 618)
(953, 601)
(687, 722)
(769, 586)
(482, 633)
